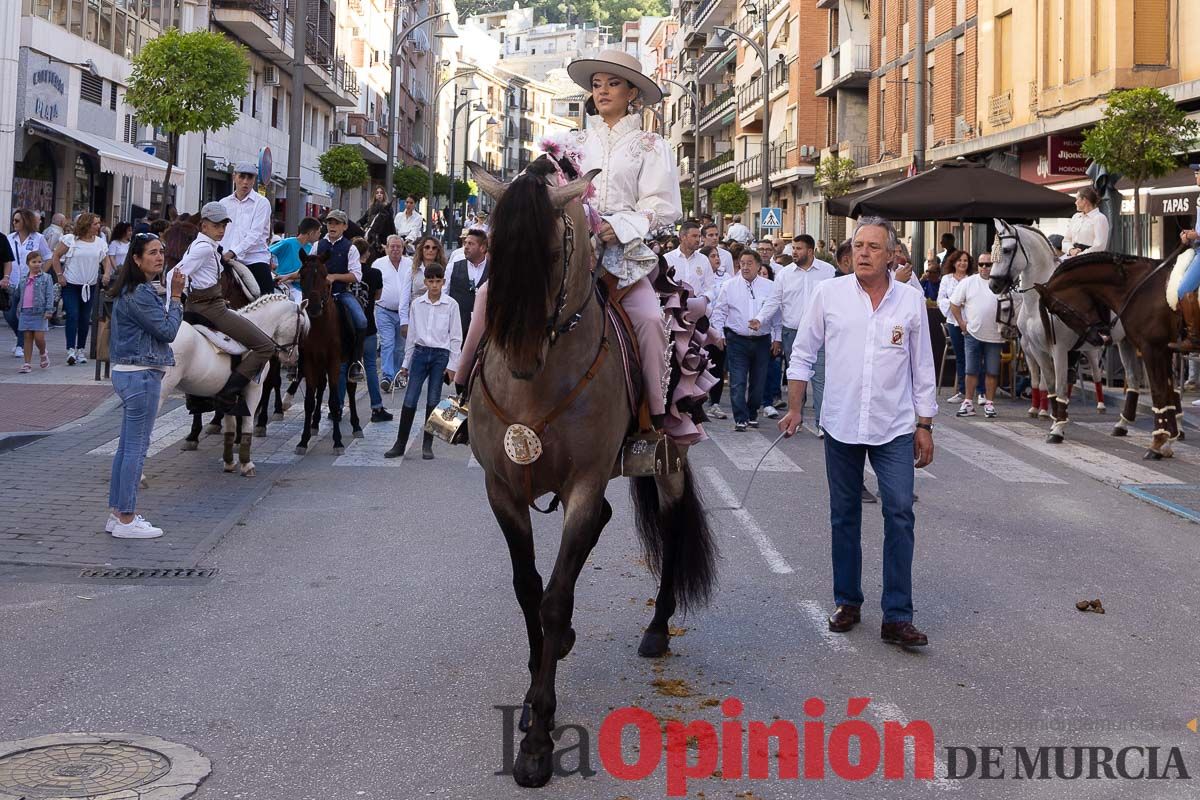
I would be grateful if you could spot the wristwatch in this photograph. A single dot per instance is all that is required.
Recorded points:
(926, 425)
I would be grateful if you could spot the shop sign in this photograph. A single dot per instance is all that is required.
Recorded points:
(1172, 205)
(1065, 155)
(48, 93)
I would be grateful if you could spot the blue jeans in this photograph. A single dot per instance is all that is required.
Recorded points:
(1191, 277)
(79, 314)
(139, 393)
(369, 367)
(391, 343)
(816, 384)
(958, 342)
(747, 358)
(350, 307)
(893, 465)
(985, 355)
(774, 380)
(427, 363)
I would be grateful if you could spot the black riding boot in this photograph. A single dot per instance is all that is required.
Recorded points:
(356, 373)
(230, 399)
(406, 421)
(427, 439)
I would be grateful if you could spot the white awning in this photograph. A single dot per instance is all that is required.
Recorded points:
(117, 158)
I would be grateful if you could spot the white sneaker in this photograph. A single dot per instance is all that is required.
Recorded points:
(989, 410)
(715, 412)
(138, 529)
(980, 400)
(955, 398)
(769, 412)
(80, 358)
(966, 409)
(18, 352)
(71, 363)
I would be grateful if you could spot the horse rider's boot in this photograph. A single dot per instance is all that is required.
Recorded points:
(356, 373)
(406, 421)
(230, 399)
(427, 439)
(1189, 306)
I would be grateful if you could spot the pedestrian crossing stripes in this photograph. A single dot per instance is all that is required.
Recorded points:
(745, 450)
(990, 458)
(380, 436)
(775, 561)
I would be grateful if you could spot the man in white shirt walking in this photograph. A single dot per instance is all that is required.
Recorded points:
(409, 222)
(691, 266)
(748, 350)
(391, 309)
(974, 306)
(249, 229)
(739, 232)
(880, 377)
(794, 288)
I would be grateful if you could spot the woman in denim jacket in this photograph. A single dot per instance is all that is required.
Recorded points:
(140, 352)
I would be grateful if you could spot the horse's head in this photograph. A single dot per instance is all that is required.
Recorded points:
(539, 261)
(313, 284)
(1017, 250)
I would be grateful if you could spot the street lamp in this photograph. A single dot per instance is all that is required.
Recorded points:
(491, 120)
(717, 44)
(431, 156)
(453, 143)
(445, 32)
(695, 144)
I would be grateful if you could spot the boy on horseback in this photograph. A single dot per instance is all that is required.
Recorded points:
(344, 268)
(201, 264)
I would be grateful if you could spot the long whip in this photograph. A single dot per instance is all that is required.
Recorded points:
(742, 503)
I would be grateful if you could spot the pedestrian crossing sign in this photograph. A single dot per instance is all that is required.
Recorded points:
(770, 218)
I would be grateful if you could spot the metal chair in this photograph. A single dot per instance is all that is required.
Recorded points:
(947, 352)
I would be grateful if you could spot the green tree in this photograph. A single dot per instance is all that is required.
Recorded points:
(1140, 136)
(689, 199)
(411, 180)
(835, 175)
(344, 167)
(441, 185)
(730, 198)
(187, 82)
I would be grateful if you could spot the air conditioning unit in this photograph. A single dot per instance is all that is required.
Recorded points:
(372, 127)
(270, 75)
(805, 151)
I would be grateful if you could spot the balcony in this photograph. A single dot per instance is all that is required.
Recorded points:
(779, 79)
(749, 96)
(259, 24)
(748, 170)
(715, 68)
(848, 67)
(368, 135)
(707, 14)
(827, 3)
(718, 113)
(716, 170)
(860, 154)
(1000, 108)
(779, 155)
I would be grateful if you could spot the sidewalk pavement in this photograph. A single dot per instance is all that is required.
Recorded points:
(47, 399)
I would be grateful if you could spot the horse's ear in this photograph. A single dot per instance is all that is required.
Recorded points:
(1001, 225)
(561, 195)
(487, 182)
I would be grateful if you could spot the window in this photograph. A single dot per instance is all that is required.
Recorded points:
(254, 95)
(112, 97)
(91, 88)
(1004, 54)
(881, 122)
(1151, 32)
(1075, 21)
(275, 109)
(928, 89)
(960, 65)
(904, 101)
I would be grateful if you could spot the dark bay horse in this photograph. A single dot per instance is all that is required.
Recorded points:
(1087, 290)
(535, 389)
(321, 351)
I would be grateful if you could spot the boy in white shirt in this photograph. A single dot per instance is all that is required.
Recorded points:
(433, 343)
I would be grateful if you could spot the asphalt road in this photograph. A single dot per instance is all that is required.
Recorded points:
(362, 627)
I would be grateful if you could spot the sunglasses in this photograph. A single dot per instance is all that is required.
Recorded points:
(142, 237)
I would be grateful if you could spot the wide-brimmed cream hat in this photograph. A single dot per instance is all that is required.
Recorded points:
(619, 63)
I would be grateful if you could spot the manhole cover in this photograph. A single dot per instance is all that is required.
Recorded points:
(93, 765)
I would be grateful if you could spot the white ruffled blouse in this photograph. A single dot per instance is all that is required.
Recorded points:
(637, 190)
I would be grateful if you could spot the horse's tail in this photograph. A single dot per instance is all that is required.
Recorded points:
(677, 535)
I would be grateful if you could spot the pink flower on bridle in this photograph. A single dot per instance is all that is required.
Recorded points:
(566, 146)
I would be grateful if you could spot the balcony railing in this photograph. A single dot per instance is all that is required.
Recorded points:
(779, 153)
(749, 94)
(749, 169)
(270, 10)
(1000, 108)
(717, 107)
(860, 154)
(717, 164)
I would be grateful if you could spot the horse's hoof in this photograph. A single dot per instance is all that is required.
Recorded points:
(260, 430)
(230, 467)
(1152, 455)
(655, 644)
(188, 444)
(1054, 438)
(301, 450)
(338, 450)
(278, 416)
(533, 770)
(567, 643)
(1120, 432)
(357, 434)
(1168, 451)
(248, 470)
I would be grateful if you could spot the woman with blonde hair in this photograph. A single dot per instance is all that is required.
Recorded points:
(429, 250)
(78, 261)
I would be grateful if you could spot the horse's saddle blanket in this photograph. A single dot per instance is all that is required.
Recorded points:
(223, 343)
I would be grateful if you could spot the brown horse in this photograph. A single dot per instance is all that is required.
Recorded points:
(321, 351)
(534, 389)
(1087, 290)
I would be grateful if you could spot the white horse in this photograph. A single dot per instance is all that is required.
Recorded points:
(203, 359)
(1025, 257)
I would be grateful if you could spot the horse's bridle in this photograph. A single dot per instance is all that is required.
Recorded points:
(553, 328)
(296, 343)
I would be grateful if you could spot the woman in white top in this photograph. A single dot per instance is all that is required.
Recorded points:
(1088, 229)
(956, 266)
(637, 191)
(78, 261)
(429, 251)
(23, 240)
(118, 246)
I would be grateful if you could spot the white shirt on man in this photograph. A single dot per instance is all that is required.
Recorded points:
(249, 228)
(200, 263)
(738, 302)
(397, 288)
(979, 304)
(437, 325)
(879, 374)
(694, 270)
(726, 265)
(409, 226)
(739, 233)
(794, 288)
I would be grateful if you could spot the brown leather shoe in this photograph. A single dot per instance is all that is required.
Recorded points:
(904, 634)
(844, 618)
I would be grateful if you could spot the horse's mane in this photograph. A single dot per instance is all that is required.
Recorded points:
(1099, 257)
(177, 239)
(520, 266)
(266, 299)
(1038, 231)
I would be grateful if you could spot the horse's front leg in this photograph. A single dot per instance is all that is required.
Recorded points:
(310, 399)
(335, 407)
(1132, 365)
(584, 520)
(231, 426)
(192, 440)
(356, 431)
(1058, 397)
(1158, 368)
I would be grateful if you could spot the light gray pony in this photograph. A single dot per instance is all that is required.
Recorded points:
(1023, 258)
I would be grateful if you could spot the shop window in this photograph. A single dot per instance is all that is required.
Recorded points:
(85, 176)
